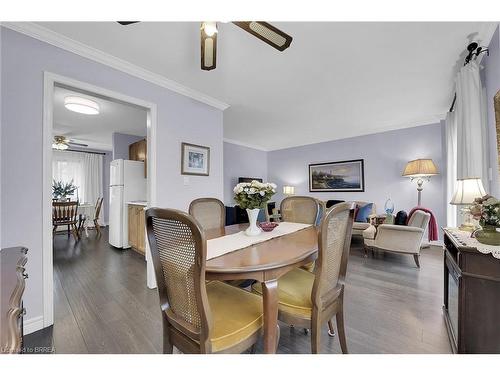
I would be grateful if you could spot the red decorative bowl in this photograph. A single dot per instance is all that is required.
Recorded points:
(268, 226)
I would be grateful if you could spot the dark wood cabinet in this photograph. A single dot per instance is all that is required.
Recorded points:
(471, 297)
(12, 284)
(139, 151)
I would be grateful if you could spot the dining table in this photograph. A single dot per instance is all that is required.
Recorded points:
(264, 262)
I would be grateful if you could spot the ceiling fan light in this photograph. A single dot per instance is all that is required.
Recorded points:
(81, 105)
(210, 28)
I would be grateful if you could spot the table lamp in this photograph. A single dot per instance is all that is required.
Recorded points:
(420, 170)
(467, 190)
(289, 190)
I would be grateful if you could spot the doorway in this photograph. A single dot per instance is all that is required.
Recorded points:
(64, 86)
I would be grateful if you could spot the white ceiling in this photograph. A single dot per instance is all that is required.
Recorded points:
(96, 130)
(336, 80)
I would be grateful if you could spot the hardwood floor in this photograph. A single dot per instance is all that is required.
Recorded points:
(102, 304)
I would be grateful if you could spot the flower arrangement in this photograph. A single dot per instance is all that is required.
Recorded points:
(486, 210)
(255, 194)
(61, 189)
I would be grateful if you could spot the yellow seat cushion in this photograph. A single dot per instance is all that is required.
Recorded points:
(237, 314)
(309, 266)
(294, 292)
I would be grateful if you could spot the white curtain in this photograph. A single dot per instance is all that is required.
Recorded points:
(451, 167)
(84, 169)
(472, 131)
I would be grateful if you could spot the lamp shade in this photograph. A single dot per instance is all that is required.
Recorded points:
(467, 190)
(420, 168)
(289, 190)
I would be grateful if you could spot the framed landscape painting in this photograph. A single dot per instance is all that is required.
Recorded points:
(195, 160)
(347, 175)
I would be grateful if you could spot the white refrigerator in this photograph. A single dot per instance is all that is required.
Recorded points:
(127, 183)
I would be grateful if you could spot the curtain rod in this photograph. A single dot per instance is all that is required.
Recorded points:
(86, 152)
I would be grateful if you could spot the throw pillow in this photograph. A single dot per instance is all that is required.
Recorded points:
(401, 218)
(363, 213)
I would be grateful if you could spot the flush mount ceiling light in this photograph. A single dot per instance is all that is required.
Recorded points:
(81, 105)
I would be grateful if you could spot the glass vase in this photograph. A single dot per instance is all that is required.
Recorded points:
(488, 235)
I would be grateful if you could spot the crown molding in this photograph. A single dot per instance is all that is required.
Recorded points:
(244, 144)
(48, 36)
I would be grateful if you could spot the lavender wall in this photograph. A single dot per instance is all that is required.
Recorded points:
(240, 161)
(121, 142)
(385, 156)
(180, 119)
(491, 76)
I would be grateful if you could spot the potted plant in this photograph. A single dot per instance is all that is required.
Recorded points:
(487, 211)
(60, 189)
(253, 196)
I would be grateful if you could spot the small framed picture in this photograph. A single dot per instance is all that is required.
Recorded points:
(195, 160)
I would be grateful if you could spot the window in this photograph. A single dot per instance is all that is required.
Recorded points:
(84, 169)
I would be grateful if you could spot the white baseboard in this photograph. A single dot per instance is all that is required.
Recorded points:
(33, 324)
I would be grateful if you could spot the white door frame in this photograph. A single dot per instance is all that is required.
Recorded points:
(50, 80)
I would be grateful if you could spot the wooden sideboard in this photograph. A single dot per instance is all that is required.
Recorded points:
(12, 284)
(471, 297)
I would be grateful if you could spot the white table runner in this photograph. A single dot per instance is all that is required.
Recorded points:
(222, 245)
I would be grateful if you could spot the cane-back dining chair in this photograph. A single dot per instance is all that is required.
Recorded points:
(198, 317)
(300, 209)
(65, 214)
(311, 299)
(210, 212)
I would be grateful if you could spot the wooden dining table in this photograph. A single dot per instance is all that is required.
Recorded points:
(265, 262)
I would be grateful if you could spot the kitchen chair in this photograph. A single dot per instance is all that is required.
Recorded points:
(65, 213)
(311, 299)
(210, 212)
(198, 317)
(97, 213)
(301, 209)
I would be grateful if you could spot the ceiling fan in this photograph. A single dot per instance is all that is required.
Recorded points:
(62, 143)
(260, 29)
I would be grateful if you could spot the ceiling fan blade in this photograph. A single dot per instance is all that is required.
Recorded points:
(77, 144)
(208, 50)
(125, 23)
(267, 33)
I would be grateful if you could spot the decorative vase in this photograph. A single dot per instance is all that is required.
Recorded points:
(253, 229)
(389, 206)
(488, 235)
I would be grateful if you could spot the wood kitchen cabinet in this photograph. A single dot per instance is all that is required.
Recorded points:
(136, 228)
(139, 151)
